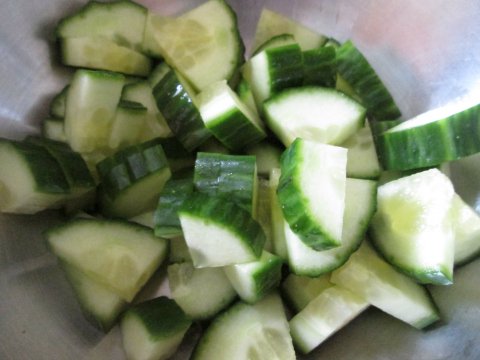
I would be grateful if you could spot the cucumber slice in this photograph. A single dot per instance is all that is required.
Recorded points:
(57, 106)
(413, 226)
(91, 104)
(233, 177)
(52, 128)
(153, 329)
(360, 206)
(370, 277)
(356, 70)
(206, 37)
(189, 290)
(272, 23)
(362, 160)
(263, 213)
(313, 113)
(323, 316)
(179, 251)
(219, 232)
(276, 41)
(252, 281)
(227, 118)
(311, 192)
(279, 243)
(118, 254)
(158, 73)
(320, 66)
(97, 52)
(431, 138)
(178, 106)
(267, 155)
(100, 305)
(298, 291)
(246, 96)
(31, 180)
(107, 20)
(128, 124)
(466, 225)
(245, 331)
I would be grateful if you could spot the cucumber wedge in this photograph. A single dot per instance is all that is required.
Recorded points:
(128, 124)
(298, 291)
(311, 192)
(413, 227)
(313, 113)
(320, 66)
(466, 225)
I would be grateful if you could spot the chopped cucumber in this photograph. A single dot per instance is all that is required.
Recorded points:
(279, 243)
(466, 225)
(150, 44)
(267, 155)
(276, 41)
(178, 251)
(57, 106)
(245, 94)
(128, 124)
(53, 128)
(320, 66)
(158, 74)
(263, 214)
(298, 291)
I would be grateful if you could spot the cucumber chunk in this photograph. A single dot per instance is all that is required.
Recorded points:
(276, 41)
(313, 113)
(370, 277)
(158, 73)
(53, 128)
(279, 243)
(298, 291)
(245, 331)
(413, 226)
(128, 124)
(267, 155)
(201, 293)
(466, 225)
(320, 66)
(153, 330)
(120, 255)
(57, 106)
(178, 251)
(311, 192)
(245, 94)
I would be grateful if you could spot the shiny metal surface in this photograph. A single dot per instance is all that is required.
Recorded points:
(428, 54)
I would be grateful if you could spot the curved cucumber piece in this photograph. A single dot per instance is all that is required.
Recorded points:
(413, 226)
(227, 118)
(313, 113)
(466, 225)
(120, 255)
(430, 139)
(370, 277)
(219, 232)
(176, 103)
(311, 192)
(298, 291)
(356, 70)
(320, 66)
(276, 41)
(128, 124)
(252, 281)
(57, 106)
(189, 290)
(153, 329)
(245, 331)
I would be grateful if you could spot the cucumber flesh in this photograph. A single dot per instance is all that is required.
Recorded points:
(276, 41)
(127, 125)
(466, 225)
(53, 128)
(279, 244)
(267, 155)
(57, 106)
(298, 291)
(179, 251)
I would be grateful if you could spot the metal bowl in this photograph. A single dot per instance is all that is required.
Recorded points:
(428, 54)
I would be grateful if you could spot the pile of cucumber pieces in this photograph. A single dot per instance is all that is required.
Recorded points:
(255, 181)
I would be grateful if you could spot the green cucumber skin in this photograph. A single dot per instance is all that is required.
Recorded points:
(356, 70)
(226, 214)
(180, 112)
(275, 41)
(320, 66)
(268, 277)
(285, 67)
(229, 176)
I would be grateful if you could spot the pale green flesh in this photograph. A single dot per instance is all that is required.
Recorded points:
(279, 243)
(370, 277)
(145, 219)
(53, 129)
(300, 290)
(466, 225)
(189, 289)
(149, 44)
(256, 72)
(126, 128)
(263, 213)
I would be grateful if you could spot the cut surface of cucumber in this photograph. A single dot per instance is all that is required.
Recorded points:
(279, 244)
(466, 226)
(313, 113)
(413, 227)
(263, 214)
(53, 128)
(128, 124)
(311, 192)
(57, 106)
(267, 155)
(178, 251)
(298, 291)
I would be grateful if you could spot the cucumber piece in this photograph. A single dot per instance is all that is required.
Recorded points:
(323, 316)
(413, 226)
(219, 232)
(91, 104)
(274, 70)
(245, 94)
(100, 305)
(276, 41)
(263, 213)
(245, 331)
(178, 106)
(370, 277)
(150, 45)
(298, 291)
(311, 192)
(153, 329)
(174, 193)
(120, 255)
(179, 159)
(279, 243)
(360, 206)
(356, 70)
(31, 180)
(53, 128)
(267, 155)
(431, 138)
(272, 23)
(233, 177)
(132, 179)
(128, 124)
(145, 219)
(342, 85)
(313, 113)
(320, 66)
(179, 251)
(466, 226)
(189, 290)
(252, 281)
(107, 20)
(158, 74)
(97, 52)
(362, 160)
(206, 37)
(155, 124)
(227, 118)
(57, 106)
